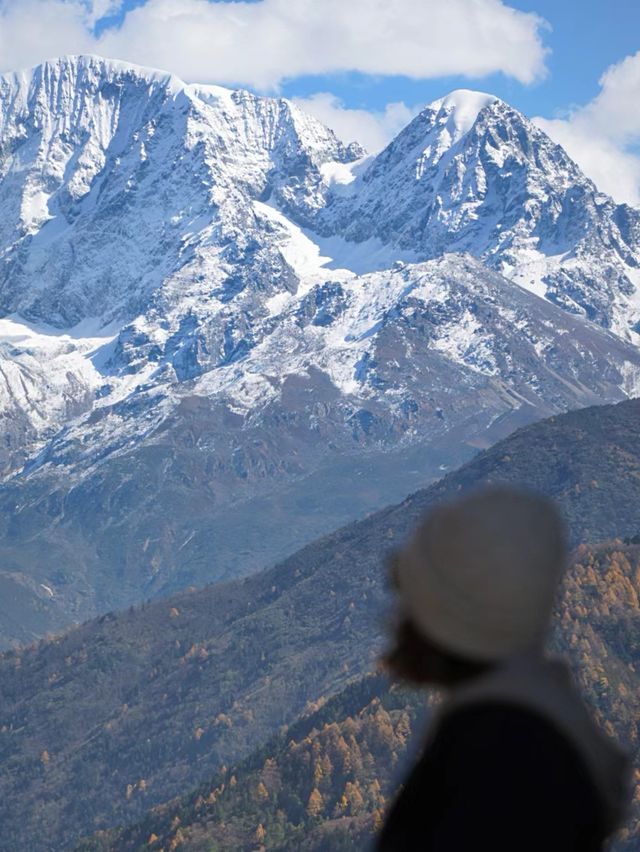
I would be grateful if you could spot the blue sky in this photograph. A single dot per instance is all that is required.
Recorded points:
(366, 66)
(585, 38)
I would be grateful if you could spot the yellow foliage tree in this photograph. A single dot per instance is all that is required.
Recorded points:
(341, 806)
(354, 797)
(315, 804)
(378, 820)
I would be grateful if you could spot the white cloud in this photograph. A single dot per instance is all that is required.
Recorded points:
(374, 130)
(601, 136)
(32, 30)
(261, 44)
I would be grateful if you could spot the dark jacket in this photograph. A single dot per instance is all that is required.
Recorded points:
(514, 763)
(501, 778)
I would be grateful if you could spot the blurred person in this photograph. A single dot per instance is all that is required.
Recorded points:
(513, 760)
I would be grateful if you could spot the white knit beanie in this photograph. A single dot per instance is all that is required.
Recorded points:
(479, 576)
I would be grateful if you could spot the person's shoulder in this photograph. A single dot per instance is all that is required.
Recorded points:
(495, 767)
(482, 723)
(514, 740)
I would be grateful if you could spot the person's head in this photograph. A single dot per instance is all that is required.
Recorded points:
(476, 585)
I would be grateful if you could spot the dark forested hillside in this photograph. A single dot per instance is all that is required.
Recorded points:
(324, 784)
(128, 711)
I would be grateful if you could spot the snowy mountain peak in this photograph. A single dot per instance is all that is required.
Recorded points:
(472, 174)
(143, 162)
(459, 110)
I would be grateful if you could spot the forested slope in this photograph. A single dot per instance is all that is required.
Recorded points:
(168, 693)
(324, 783)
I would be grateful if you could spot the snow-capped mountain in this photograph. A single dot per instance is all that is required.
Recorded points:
(126, 194)
(224, 332)
(98, 155)
(472, 174)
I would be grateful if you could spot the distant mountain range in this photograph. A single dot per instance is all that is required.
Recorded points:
(133, 709)
(224, 333)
